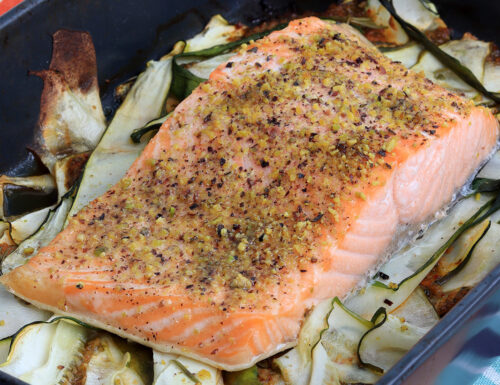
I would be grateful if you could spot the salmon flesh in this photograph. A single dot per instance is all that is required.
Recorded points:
(283, 180)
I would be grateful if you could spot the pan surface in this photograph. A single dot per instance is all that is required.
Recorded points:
(126, 34)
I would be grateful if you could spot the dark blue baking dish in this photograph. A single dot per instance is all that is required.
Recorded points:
(127, 33)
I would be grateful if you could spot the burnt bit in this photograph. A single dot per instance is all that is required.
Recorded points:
(73, 167)
(317, 217)
(383, 275)
(73, 56)
(207, 118)
(73, 66)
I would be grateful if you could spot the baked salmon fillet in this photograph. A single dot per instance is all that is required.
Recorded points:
(283, 180)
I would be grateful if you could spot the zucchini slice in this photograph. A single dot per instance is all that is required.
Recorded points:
(14, 314)
(295, 365)
(64, 352)
(109, 366)
(153, 125)
(204, 68)
(411, 309)
(293, 368)
(67, 171)
(440, 74)
(172, 369)
(29, 349)
(71, 116)
(334, 357)
(116, 152)
(217, 31)
(417, 311)
(67, 123)
(420, 14)
(406, 269)
(39, 182)
(470, 53)
(491, 78)
(7, 245)
(491, 170)
(315, 323)
(31, 165)
(42, 237)
(122, 89)
(28, 224)
(184, 81)
(392, 34)
(459, 254)
(4, 349)
(451, 63)
(407, 55)
(411, 313)
(485, 256)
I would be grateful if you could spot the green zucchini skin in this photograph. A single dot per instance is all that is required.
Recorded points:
(153, 125)
(248, 376)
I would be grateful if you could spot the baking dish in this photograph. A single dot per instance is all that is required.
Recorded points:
(126, 34)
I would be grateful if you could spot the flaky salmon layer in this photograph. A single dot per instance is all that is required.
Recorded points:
(283, 180)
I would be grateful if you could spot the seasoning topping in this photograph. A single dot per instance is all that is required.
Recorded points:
(285, 148)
